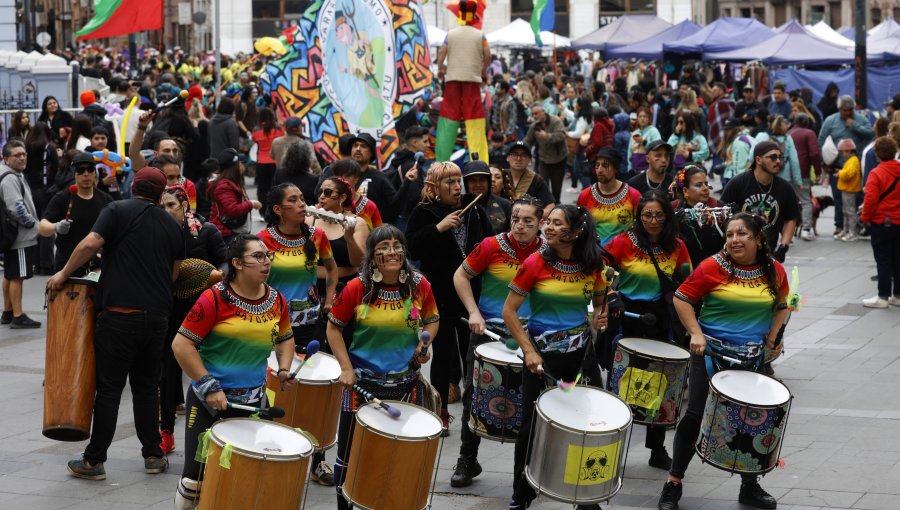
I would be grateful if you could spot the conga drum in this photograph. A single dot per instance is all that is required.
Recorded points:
(69, 370)
(496, 411)
(650, 376)
(392, 460)
(314, 404)
(579, 445)
(744, 422)
(265, 467)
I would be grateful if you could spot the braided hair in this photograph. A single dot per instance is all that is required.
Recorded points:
(585, 248)
(276, 197)
(755, 224)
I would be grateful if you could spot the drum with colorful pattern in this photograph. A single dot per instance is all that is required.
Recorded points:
(496, 411)
(650, 376)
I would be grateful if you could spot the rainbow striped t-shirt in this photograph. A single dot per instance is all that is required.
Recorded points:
(386, 328)
(292, 274)
(736, 309)
(497, 260)
(612, 213)
(368, 211)
(559, 293)
(235, 335)
(638, 280)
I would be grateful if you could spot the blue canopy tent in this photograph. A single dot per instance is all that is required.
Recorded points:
(724, 34)
(792, 44)
(882, 82)
(652, 47)
(625, 30)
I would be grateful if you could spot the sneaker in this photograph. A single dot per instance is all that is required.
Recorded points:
(24, 322)
(167, 443)
(753, 495)
(849, 238)
(7, 317)
(768, 370)
(155, 465)
(465, 470)
(838, 232)
(875, 302)
(807, 234)
(81, 469)
(187, 494)
(446, 420)
(323, 475)
(179, 410)
(453, 394)
(515, 504)
(894, 300)
(659, 458)
(671, 493)
(594, 506)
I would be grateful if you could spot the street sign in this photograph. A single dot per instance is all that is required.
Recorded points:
(43, 39)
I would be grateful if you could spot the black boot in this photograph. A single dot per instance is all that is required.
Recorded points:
(465, 470)
(671, 493)
(754, 495)
(659, 458)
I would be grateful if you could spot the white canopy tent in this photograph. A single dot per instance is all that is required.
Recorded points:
(824, 31)
(519, 34)
(436, 36)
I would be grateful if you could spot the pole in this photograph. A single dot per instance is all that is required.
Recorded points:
(132, 56)
(218, 27)
(860, 63)
(26, 18)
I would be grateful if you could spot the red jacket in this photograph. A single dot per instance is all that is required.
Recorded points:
(230, 200)
(601, 136)
(886, 210)
(808, 153)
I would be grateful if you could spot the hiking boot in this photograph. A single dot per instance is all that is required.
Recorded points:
(671, 493)
(167, 442)
(807, 234)
(7, 317)
(81, 469)
(24, 322)
(875, 302)
(465, 470)
(155, 465)
(323, 475)
(754, 495)
(659, 458)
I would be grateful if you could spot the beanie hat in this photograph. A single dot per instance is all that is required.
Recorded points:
(149, 182)
(87, 98)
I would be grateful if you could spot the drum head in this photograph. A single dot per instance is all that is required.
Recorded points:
(498, 352)
(261, 437)
(585, 409)
(320, 367)
(273, 363)
(655, 348)
(750, 388)
(413, 423)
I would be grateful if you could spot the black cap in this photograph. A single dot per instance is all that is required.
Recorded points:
(762, 148)
(612, 155)
(476, 167)
(363, 137)
(518, 145)
(83, 159)
(656, 144)
(228, 157)
(732, 122)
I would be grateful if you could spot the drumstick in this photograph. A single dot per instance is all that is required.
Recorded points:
(425, 337)
(311, 348)
(647, 318)
(510, 343)
(727, 358)
(466, 208)
(393, 411)
(271, 412)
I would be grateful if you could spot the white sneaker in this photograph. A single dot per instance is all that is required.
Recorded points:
(807, 235)
(894, 300)
(875, 302)
(849, 238)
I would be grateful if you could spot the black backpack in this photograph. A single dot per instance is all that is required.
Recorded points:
(9, 227)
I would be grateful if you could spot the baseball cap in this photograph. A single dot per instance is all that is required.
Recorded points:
(732, 122)
(83, 159)
(149, 182)
(292, 124)
(228, 157)
(747, 88)
(656, 144)
(518, 145)
(761, 149)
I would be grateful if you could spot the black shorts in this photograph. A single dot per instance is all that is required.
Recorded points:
(19, 263)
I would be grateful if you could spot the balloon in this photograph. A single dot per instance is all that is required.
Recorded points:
(269, 45)
(112, 160)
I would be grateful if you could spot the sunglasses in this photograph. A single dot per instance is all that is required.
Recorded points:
(328, 192)
(84, 170)
(774, 157)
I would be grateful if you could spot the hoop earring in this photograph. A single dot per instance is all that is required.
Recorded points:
(376, 275)
(403, 276)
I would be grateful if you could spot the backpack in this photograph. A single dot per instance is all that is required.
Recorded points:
(9, 227)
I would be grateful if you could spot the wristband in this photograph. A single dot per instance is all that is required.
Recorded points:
(206, 385)
(280, 370)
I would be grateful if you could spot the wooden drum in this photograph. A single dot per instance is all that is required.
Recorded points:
(70, 382)
(392, 460)
(314, 404)
(268, 470)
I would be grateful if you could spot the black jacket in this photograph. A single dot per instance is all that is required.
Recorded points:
(378, 190)
(408, 193)
(97, 114)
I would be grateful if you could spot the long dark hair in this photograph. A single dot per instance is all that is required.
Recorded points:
(45, 115)
(296, 160)
(668, 238)
(266, 120)
(690, 125)
(235, 250)
(763, 256)
(584, 108)
(38, 138)
(384, 233)
(343, 189)
(585, 249)
(229, 173)
(81, 126)
(275, 197)
(16, 129)
(683, 178)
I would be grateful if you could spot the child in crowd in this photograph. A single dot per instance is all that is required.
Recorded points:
(849, 184)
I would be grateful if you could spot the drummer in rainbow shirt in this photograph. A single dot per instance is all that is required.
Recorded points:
(650, 259)
(743, 292)
(559, 282)
(496, 259)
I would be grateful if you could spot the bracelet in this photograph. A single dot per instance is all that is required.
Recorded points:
(280, 370)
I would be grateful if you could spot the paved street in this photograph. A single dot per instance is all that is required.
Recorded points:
(842, 446)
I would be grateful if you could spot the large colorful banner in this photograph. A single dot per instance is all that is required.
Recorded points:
(352, 66)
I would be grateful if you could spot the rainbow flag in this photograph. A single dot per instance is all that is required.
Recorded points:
(543, 18)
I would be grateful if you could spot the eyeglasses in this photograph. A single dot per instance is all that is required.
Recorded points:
(328, 192)
(520, 155)
(774, 157)
(653, 218)
(84, 170)
(261, 256)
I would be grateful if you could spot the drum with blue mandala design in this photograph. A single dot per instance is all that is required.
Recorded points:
(744, 422)
(496, 410)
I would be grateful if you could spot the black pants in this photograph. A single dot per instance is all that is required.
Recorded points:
(127, 345)
(45, 259)
(450, 347)
(470, 441)
(886, 248)
(302, 336)
(566, 367)
(264, 175)
(345, 439)
(198, 421)
(555, 174)
(171, 391)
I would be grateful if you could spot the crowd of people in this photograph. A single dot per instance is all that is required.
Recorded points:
(423, 245)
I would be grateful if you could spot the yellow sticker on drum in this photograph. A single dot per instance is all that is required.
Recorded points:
(270, 394)
(591, 465)
(642, 388)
